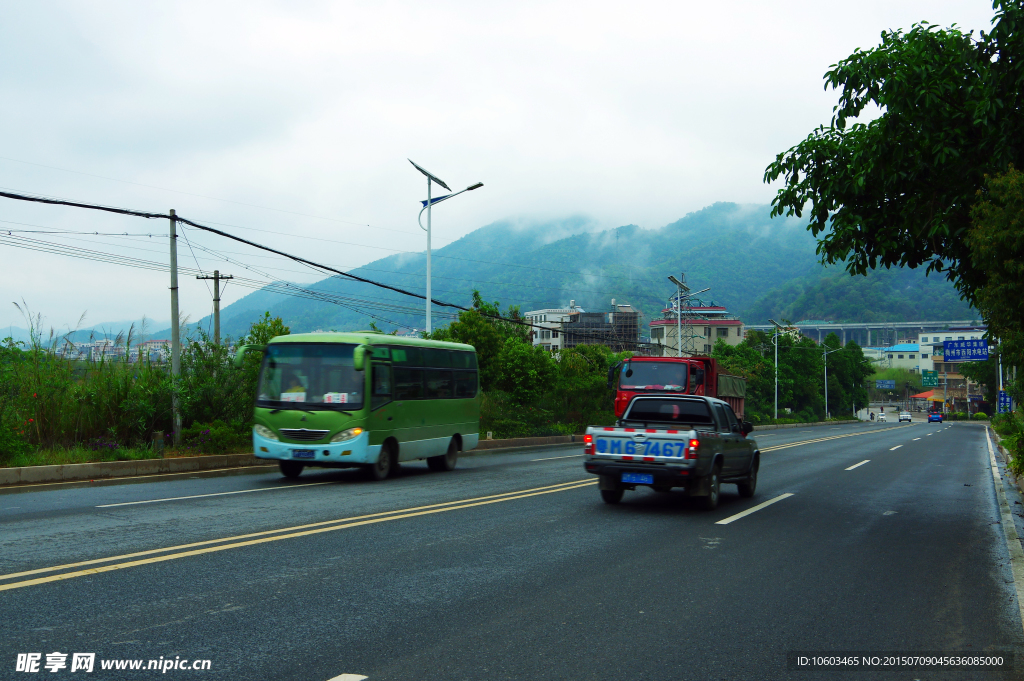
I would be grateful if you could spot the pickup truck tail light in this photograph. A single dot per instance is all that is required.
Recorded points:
(691, 449)
(588, 444)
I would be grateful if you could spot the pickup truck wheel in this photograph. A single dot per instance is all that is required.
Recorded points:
(748, 486)
(710, 502)
(291, 469)
(611, 496)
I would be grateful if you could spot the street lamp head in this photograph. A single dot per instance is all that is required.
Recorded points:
(678, 283)
(475, 186)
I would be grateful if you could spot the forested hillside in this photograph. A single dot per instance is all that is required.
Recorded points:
(755, 266)
(895, 295)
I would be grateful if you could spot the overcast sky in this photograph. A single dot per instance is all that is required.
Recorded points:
(635, 112)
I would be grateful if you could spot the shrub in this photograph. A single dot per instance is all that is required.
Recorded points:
(215, 438)
(980, 416)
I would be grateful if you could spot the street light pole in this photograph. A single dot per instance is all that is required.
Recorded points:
(775, 340)
(427, 206)
(825, 352)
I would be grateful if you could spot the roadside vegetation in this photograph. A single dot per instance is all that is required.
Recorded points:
(54, 409)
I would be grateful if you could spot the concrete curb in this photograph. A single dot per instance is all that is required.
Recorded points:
(77, 472)
(773, 426)
(518, 442)
(122, 469)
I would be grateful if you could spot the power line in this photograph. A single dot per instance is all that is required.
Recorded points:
(60, 201)
(203, 196)
(299, 259)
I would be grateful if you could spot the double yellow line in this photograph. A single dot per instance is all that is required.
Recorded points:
(825, 439)
(214, 545)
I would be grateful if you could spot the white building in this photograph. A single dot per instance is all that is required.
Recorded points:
(901, 356)
(549, 321)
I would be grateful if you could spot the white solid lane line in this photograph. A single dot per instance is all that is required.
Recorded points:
(552, 458)
(755, 509)
(216, 494)
(858, 464)
(893, 449)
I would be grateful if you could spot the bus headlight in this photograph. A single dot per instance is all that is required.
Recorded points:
(347, 434)
(263, 431)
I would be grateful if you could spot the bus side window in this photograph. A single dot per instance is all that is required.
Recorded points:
(408, 384)
(465, 384)
(439, 384)
(381, 385)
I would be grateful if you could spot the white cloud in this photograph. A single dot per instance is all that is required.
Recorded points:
(626, 113)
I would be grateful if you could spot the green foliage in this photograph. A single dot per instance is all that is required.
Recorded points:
(801, 372)
(997, 248)
(525, 371)
(261, 331)
(880, 296)
(52, 403)
(898, 190)
(216, 437)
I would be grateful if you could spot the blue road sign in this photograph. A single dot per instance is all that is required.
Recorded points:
(973, 350)
(885, 385)
(1005, 405)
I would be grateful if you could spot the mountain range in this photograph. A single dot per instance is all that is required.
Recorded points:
(755, 266)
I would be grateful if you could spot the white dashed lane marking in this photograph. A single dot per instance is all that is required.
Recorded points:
(755, 509)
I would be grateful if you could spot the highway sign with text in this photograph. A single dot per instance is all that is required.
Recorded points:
(973, 350)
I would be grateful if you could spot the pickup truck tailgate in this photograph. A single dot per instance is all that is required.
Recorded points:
(641, 444)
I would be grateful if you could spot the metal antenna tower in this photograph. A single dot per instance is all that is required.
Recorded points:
(686, 339)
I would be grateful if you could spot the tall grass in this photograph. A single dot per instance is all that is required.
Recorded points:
(50, 400)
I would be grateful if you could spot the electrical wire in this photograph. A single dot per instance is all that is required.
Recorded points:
(326, 268)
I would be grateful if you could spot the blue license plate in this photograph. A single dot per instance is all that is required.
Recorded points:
(303, 454)
(638, 478)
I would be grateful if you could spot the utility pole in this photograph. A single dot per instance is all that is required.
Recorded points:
(217, 277)
(175, 334)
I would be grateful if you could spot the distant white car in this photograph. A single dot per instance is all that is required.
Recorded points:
(904, 416)
(881, 418)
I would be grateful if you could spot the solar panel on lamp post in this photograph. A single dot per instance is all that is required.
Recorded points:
(427, 206)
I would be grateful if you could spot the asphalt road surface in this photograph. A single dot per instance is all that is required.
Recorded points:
(511, 567)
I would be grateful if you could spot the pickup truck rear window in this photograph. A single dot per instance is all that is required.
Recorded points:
(694, 412)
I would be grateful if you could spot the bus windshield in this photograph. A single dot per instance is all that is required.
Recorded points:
(310, 376)
(653, 376)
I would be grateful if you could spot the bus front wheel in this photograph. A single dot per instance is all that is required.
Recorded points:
(291, 469)
(386, 463)
(445, 462)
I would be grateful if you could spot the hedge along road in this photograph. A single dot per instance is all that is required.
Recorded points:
(542, 584)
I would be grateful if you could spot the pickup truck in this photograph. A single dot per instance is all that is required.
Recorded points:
(667, 441)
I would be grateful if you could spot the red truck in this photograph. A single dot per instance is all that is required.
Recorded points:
(675, 376)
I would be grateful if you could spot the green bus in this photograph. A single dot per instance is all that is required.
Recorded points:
(364, 399)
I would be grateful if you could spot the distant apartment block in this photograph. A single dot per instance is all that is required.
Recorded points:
(701, 326)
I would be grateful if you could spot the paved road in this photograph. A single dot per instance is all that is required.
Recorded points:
(512, 568)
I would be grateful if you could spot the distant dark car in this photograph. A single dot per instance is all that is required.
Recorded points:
(935, 417)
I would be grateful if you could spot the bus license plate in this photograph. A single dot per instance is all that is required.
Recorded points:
(303, 454)
(638, 478)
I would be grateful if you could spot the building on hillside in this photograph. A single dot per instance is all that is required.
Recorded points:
(902, 356)
(619, 328)
(702, 326)
(549, 336)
